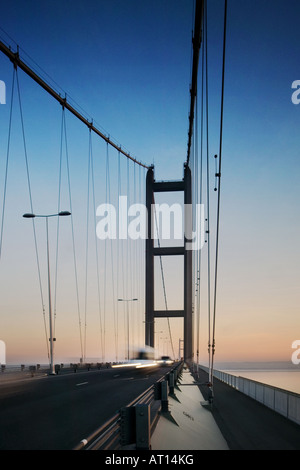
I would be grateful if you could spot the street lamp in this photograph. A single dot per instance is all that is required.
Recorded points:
(127, 301)
(51, 339)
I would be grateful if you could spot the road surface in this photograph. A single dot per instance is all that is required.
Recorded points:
(56, 412)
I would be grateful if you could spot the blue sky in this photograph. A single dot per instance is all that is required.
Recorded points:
(121, 61)
(128, 64)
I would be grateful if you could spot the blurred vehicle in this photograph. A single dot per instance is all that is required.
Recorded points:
(142, 358)
(145, 357)
(165, 361)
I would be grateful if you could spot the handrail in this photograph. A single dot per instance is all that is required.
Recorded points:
(281, 401)
(99, 431)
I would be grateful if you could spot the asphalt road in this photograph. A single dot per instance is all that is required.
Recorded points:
(56, 412)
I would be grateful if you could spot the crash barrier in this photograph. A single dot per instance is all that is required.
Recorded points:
(37, 369)
(133, 425)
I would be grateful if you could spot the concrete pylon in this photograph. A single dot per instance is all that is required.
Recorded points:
(152, 187)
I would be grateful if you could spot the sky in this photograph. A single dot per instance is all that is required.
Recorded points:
(127, 66)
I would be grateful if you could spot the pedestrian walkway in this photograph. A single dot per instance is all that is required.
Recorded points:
(248, 425)
(189, 426)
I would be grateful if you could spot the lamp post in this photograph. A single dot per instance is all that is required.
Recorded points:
(127, 301)
(51, 339)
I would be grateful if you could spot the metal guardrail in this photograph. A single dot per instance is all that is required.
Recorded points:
(45, 368)
(282, 401)
(133, 425)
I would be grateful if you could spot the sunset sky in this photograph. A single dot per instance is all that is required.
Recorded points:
(127, 66)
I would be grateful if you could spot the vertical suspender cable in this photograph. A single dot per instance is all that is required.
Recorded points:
(96, 248)
(139, 273)
(118, 244)
(197, 256)
(87, 247)
(200, 201)
(207, 189)
(58, 220)
(163, 282)
(73, 234)
(128, 304)
(219, 191)
(105, 256)
(208, 194)
(108, 200)
(130, 265)
(31, 206)
(112, 274)
(15, 76)
(135, 304)
(7, 161)
(122, 242)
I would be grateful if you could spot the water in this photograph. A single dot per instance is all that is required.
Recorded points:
(285, 379)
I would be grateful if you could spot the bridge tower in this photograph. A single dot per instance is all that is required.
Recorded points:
(153, 187)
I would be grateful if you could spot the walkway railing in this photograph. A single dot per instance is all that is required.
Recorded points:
(133, 425)
(282, 401)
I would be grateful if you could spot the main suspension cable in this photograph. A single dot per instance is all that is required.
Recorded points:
(15, 58)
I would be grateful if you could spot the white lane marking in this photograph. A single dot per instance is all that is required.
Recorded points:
(82, 383)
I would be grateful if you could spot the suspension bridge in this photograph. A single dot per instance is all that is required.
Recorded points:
(107, 271)
(128, 183)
